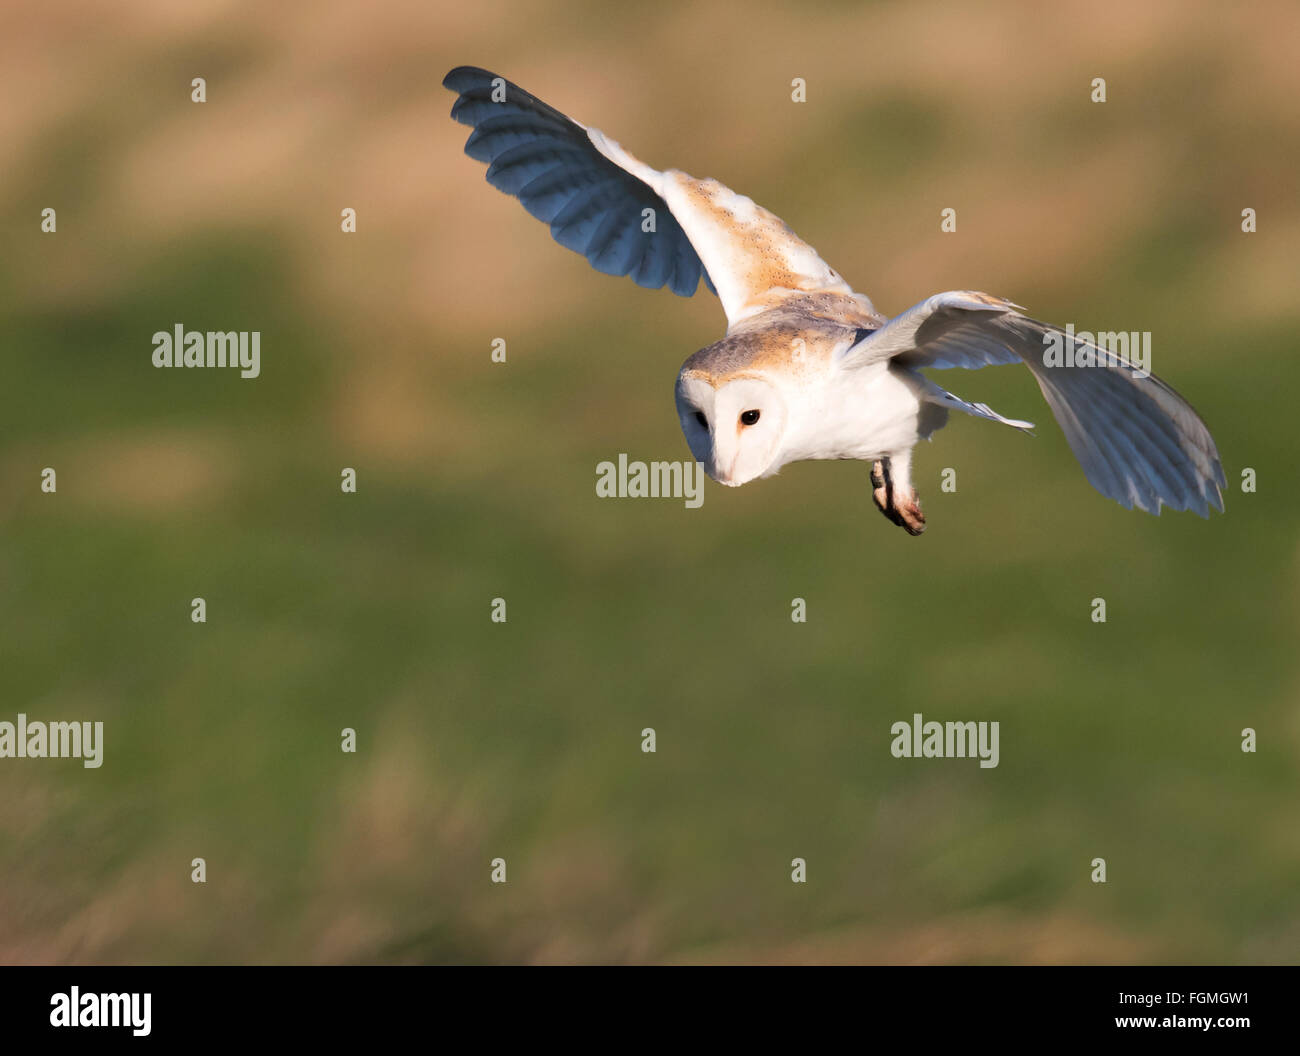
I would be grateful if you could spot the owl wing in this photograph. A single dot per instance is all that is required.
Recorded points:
(661, 228)
(1138, 441)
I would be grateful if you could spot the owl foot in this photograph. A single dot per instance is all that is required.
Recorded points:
(903, 508)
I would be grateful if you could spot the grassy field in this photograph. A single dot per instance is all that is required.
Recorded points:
(521, 740)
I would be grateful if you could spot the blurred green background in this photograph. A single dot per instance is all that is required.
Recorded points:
(522, 741)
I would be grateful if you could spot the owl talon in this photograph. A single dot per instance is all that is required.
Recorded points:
(902, 510)
(911, 517)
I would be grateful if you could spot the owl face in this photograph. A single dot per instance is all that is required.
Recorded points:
(735, 429)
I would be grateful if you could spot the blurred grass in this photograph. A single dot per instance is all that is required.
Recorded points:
(475, 481)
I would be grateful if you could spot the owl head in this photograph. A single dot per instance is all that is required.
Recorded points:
(734, 425)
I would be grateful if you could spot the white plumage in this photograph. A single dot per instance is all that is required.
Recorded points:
(808, 369)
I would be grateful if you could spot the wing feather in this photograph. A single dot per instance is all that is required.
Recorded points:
(551, 164)
(594, 195)
(1138, 441)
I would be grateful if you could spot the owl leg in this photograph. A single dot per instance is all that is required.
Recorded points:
(892, 491)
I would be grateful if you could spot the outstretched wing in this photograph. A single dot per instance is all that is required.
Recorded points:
(595, 196)
(593, 205)
(1138, 441)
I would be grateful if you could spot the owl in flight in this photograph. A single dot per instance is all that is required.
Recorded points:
(808, 368)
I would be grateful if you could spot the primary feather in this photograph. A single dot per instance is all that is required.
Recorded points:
(593, 206)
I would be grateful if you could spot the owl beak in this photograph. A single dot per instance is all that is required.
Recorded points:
(725, 477)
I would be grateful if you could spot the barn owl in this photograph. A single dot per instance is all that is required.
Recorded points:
(808, 369)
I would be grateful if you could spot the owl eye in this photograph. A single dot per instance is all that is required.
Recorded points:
(749, 418)
(699, 417)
